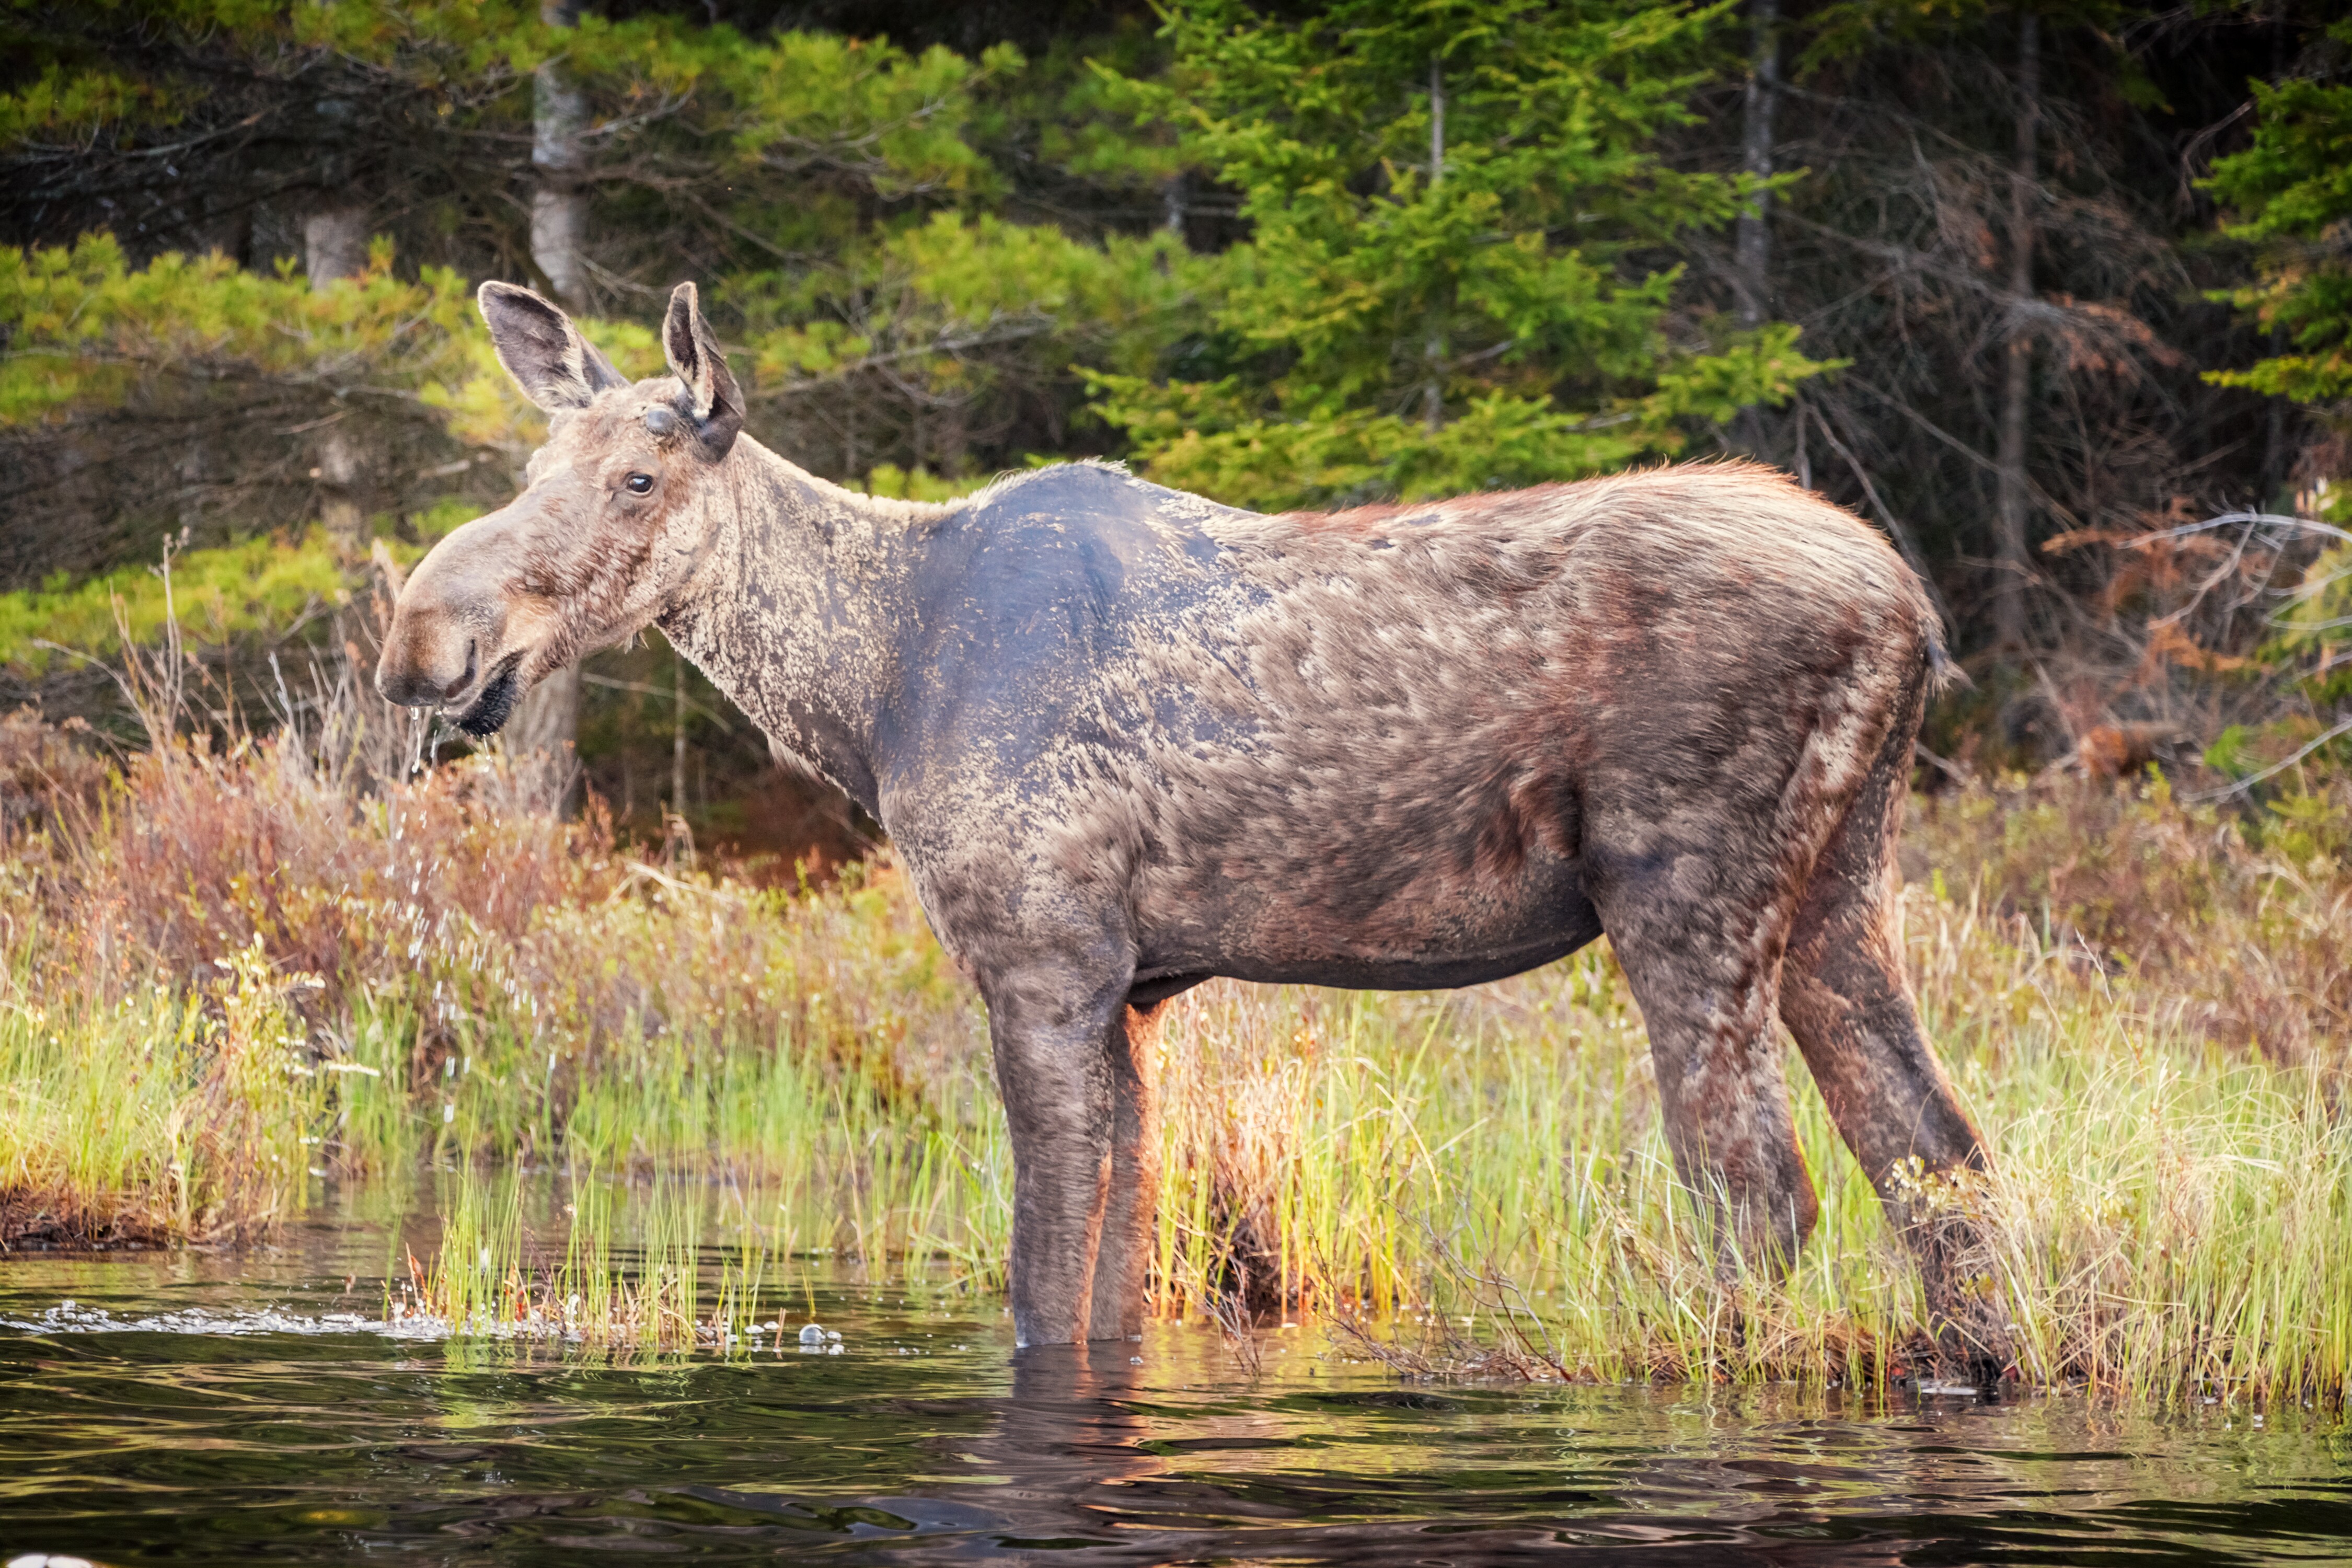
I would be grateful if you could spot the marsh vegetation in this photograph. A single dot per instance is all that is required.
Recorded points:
(236, 973)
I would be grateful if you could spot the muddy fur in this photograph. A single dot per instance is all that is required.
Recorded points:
(1126, 739)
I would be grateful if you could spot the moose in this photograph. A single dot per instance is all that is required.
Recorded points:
(1125, 739)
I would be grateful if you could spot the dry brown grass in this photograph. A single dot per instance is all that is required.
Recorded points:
(2230, 917)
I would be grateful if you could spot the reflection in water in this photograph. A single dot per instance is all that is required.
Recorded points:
(1368, 1473)
(250, 1410)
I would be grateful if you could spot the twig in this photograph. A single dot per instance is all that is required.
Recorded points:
(1951, 770)
(2251, 780)
(649, 689)
(2278, 520)
(1229, 1312)
(1901, 534)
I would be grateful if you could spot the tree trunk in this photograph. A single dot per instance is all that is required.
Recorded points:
(334, 245)
(546, 721)
(559, 205)
(1432, 391)
(2013, 562)
(1753, 236)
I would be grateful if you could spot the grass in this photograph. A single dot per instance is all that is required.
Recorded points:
(489, 1276)
(225, 970)
(2166, 1212)
(160, 1113)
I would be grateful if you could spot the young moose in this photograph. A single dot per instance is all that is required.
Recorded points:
(1125, 739)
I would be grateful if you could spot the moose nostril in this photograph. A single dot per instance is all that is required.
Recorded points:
(411, 675)
(408, 687)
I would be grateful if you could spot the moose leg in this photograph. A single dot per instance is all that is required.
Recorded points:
(1123, 1258)
(1701, 950)
(1048, 1028)
(1844, 996)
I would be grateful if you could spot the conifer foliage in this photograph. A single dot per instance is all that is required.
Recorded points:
(2025, 285)
(2292, 192)
(1460, 268)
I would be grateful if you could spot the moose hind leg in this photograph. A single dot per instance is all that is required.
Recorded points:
(1846, 996)
(1048, 1028)
(1131, 1208)
(1700, 944)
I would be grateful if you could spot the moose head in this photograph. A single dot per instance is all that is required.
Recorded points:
(616, 511)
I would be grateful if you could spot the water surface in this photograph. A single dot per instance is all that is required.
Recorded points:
(252, 1408)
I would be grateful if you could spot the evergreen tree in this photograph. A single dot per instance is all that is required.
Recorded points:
(832, 194)
(1458, 273)
(2292, 190)
(1304, 254)
(1997, 228)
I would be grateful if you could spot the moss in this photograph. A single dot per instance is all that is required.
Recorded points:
(261, 586)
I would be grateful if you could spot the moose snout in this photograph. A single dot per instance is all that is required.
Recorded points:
(430, 675)
(439, 644)
(449, 625)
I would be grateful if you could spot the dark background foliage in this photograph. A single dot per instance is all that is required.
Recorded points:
(1965, 269)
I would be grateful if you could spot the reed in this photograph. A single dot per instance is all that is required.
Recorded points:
(492, 1275)
(2166, 1215)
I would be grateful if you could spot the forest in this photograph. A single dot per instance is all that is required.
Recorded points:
(2056, 294)
(2036, 291)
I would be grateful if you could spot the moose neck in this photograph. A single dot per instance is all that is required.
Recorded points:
(793, 612)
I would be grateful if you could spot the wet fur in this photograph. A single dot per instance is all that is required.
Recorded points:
(1126, 739)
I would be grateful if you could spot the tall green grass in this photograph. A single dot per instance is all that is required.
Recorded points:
(2167, 1217)
(159, 1113)
(2164, 1214)
(494, 1273)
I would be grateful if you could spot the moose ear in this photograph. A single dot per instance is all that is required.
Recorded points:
(555, 365)
(713, 400)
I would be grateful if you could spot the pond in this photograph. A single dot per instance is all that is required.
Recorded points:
(253, 1408)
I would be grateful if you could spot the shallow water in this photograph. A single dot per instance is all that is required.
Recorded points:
(250, 1408)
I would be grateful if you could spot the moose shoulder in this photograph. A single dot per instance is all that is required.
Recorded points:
(1126, 739)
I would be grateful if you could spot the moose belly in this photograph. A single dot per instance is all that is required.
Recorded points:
(1416, 929)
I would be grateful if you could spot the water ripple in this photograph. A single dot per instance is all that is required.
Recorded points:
(174, 1410)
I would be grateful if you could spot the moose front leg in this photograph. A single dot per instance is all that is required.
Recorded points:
(1049, 1027)
(1123, 1258)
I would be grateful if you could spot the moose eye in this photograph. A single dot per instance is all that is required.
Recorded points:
(640, 483)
